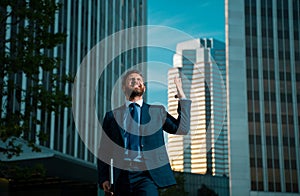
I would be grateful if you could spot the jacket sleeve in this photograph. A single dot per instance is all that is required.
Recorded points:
(181, 125)
(103, 172)
(103, 167)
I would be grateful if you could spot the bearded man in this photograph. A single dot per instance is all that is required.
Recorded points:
(133, 138)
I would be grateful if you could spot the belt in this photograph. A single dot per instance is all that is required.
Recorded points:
(134, 165)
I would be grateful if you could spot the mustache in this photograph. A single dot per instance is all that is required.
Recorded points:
(132, 92)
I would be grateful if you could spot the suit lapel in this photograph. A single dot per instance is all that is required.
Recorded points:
(119, 117)
(145, 117)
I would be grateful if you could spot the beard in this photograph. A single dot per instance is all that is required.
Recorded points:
(134, 92)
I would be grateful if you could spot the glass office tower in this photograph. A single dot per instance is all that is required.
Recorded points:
(263, 78)
(201, 65)
(86, 24)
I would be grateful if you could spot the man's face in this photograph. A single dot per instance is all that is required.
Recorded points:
(134, 85)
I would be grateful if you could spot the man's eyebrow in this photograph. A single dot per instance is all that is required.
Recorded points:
(135, 78)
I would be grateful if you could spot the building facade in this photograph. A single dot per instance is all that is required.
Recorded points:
(199, 184)
(201, 65)
(262, 59)
(86, 24)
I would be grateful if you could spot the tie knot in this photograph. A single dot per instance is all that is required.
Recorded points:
(133, 109)
(134, 105)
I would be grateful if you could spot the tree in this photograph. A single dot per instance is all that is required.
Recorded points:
(178, 189)
(205, 191)
(31, 76)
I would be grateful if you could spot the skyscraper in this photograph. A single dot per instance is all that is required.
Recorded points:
(263, 78)
(86, 24)
(201, 65)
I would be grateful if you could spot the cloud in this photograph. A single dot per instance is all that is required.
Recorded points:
(166, 36)
(160, 18)
(157, 73)
(204, 4)
(198, 18)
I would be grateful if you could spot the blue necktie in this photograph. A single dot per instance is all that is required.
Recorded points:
(133, 130)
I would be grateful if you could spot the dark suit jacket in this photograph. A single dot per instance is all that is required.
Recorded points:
(154, 119)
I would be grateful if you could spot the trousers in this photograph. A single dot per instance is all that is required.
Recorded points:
(135, 183)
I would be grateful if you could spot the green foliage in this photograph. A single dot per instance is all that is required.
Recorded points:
(27, 42)
(178, 189)
(21, 172)
(205, 191)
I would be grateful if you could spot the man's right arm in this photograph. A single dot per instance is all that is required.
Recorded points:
(103, 172)
(180, 93)
(102, 166)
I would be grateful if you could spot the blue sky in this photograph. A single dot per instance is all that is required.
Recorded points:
(196, 17)
(186, 19)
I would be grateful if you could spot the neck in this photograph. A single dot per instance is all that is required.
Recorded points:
(134, 99)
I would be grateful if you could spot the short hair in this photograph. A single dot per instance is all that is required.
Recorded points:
(128, 73)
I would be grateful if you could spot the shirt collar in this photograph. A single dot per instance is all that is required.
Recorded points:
(139, 102)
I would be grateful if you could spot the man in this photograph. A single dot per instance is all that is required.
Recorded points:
(133, 138)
